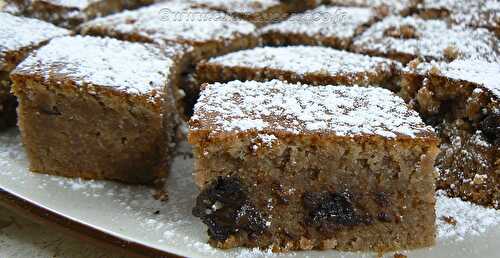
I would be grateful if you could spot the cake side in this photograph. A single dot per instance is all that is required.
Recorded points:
(305, 64)
(123, 88)
(342, 168)
(461, 100)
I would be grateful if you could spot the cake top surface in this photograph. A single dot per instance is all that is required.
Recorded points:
(78, 4)
(325, 21)
(277, 106)
(394, 5)
(238, 6)
(133, 68)
(17, 33)
(304, 60)
(475, 71)
(478, 12)
(174, 21)
(434, 39)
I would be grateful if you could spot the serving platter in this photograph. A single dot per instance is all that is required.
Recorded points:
(130, 218)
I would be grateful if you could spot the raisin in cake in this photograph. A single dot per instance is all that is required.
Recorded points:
(98, 108)
(298, 167)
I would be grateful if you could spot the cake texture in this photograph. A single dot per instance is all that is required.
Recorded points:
(313, 65)
(298, 167)
(326, 25)
(98, 108)
(18, 36)
(70, 13)
(461, 100)
(406, 38)
(478, 14)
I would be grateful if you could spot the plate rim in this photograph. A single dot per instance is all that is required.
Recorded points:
(77, 230)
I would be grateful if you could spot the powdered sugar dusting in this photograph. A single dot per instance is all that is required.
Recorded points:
(483, 73)
(79, 4)
(471, 219)
(131, 67)
(431, 40)
(277, 106)
(304, 60)
(17, 33)
(395, 6)
(173, 21)
(238, 6)
(484, 13)
(334, 21)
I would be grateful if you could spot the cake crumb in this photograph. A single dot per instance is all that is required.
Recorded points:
(450, 220)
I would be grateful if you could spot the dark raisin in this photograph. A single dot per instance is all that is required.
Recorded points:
(383, 199)
(224, 207)
(384, 217)
(331, 210)
(490, 127)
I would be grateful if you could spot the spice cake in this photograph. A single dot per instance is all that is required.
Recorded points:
(326, 25)
(307, 64)
(461, 100)
(297, 167)
(70, 13)
(259, 12)
(402, 7)
(208, 32)
(18, 36)
(98, 108)
(406, 38)
(479, 13)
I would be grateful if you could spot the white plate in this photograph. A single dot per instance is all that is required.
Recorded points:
(128, 212)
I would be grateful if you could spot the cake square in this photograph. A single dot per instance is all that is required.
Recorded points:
(98, 108)
(479, 13)
(296, 167)
(401, 7)
(18, 36)
(461, 100)
(70, 13)
(209, 32)
(259, 12)
(331, 26)
(406, 38)
(313, 65)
